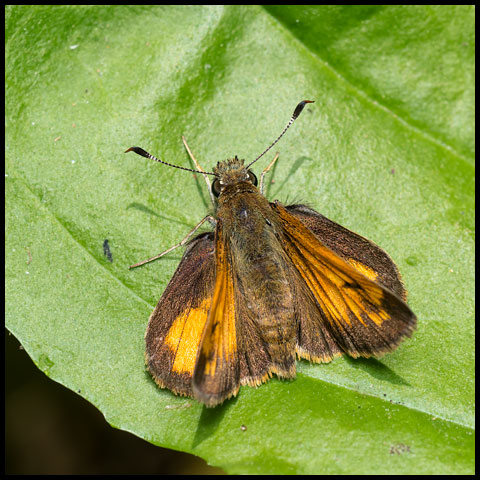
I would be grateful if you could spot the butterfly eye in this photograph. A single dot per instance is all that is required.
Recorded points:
(252, 177)
(216, 187)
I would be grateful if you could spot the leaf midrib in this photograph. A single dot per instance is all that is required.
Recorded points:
(373, 102)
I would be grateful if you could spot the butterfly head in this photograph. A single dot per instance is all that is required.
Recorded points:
(231, 172)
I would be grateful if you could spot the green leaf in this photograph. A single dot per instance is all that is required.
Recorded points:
(387, 150)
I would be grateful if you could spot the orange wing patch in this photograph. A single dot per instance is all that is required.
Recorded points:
(184, 337)
(365, 269)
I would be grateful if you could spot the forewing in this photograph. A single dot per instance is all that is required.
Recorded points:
(217, 371)
(175, 327)
(363, 317)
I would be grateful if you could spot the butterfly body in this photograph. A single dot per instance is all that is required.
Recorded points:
(260, 274)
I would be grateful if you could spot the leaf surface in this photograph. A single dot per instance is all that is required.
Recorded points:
(387, 150)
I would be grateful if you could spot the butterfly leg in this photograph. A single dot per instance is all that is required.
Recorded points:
(180, 244)
(265, 171)
(207, 180)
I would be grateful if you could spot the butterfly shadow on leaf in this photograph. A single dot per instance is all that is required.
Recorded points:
(377, 369)
(287, 180)
(149, 211)
(210, 419)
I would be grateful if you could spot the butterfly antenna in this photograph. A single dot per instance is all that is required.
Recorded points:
(296, 113)
(143, 153)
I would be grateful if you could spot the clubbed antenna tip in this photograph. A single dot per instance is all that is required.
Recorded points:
(298, 110)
